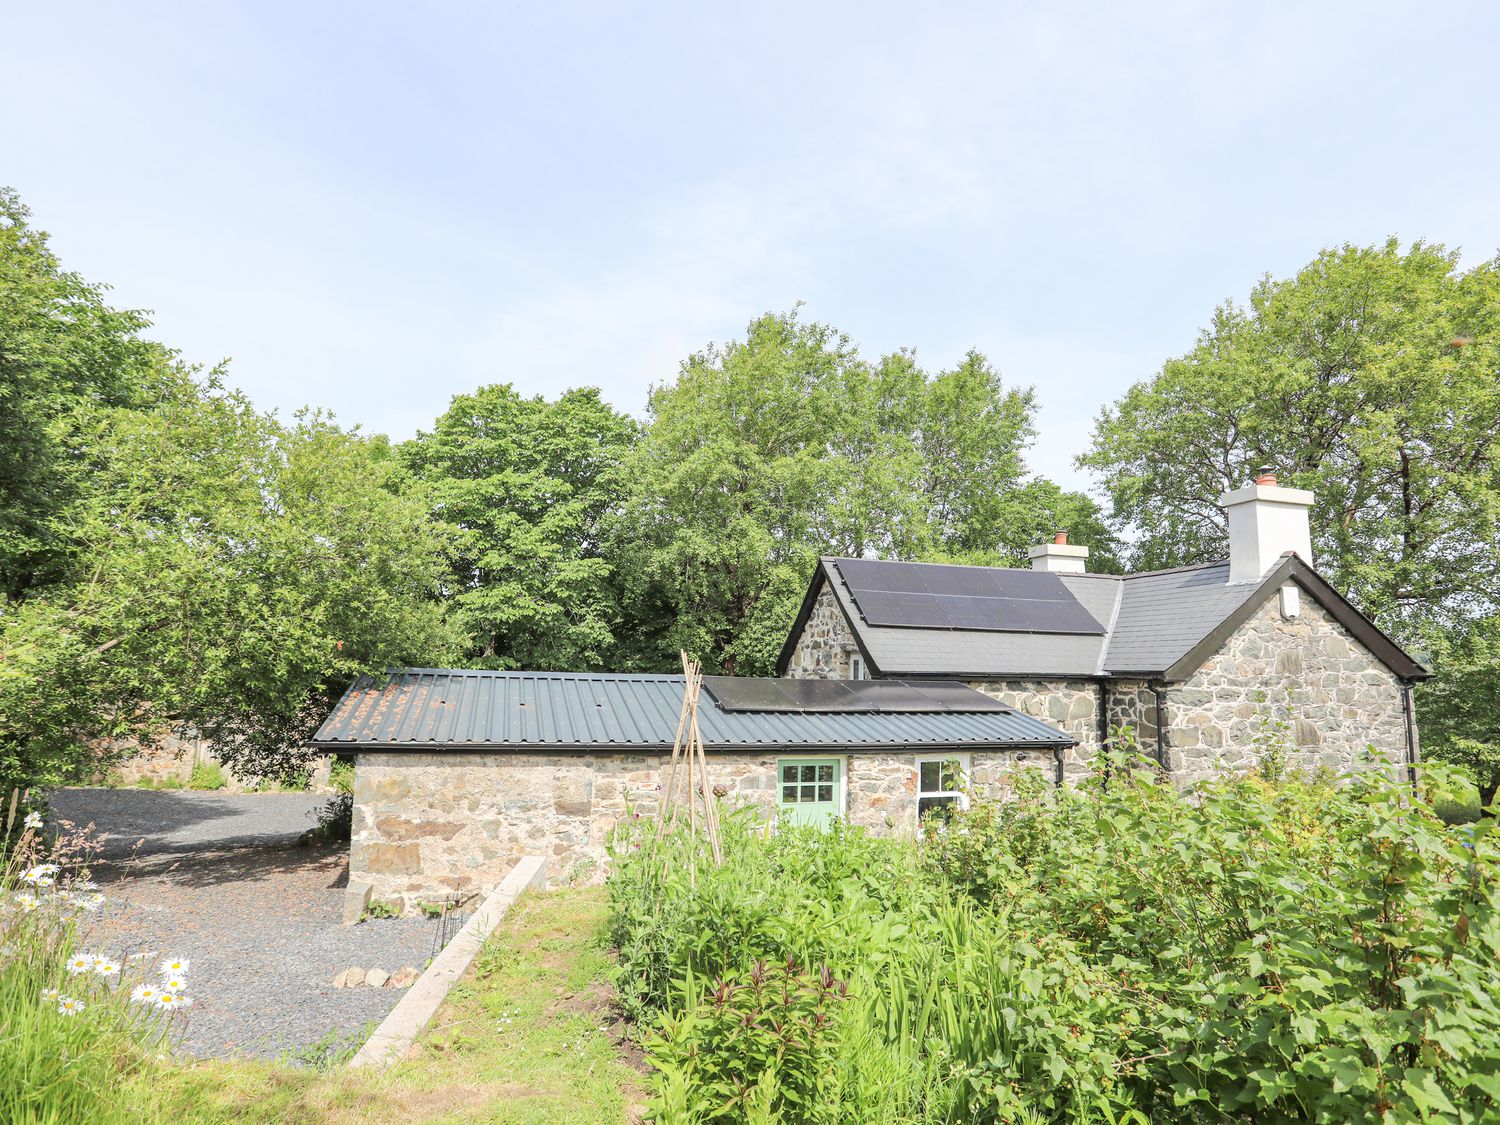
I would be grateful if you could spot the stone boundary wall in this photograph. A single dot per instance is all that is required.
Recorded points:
(173, 758)
(1308, 673)
(431, 825)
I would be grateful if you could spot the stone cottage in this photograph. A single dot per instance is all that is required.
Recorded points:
(1199, 661)
(902, 684)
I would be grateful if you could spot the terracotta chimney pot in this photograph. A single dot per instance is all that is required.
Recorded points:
(1266, 474)
(1060, 537)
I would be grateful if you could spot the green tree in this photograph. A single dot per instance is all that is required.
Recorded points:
(234, 574)
(1371, 378)
(523, 484)
(61, 348)
(173, 558)
(1460, 710)
(770, 451)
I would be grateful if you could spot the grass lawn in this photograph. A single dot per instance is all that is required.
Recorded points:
(527, 1037)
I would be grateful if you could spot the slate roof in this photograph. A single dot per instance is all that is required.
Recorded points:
(1158, 624)
(444, 709)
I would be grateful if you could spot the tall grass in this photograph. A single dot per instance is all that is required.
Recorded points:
(67, 1039)
(1277, 949)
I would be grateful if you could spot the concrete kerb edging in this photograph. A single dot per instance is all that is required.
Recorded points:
(411, 1015)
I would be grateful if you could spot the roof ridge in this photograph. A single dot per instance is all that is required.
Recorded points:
(1173, 569)
(1028, 570)
(531, 673)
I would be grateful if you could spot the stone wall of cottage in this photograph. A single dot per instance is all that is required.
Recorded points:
(1304, 682)
(882, 789)
(1132, 704)
(430, 826)
(1071, 706)
(826, 644)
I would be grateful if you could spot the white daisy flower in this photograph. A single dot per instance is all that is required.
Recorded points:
(174, 966)
(172, 1000)
(81, 963)
(145, 994)
(51, 995)
(27, 902)
(170, 983)
(68, 1006)
(105, 967)
(33, 821)
(90, 903)
(40, 875)
(85, 885)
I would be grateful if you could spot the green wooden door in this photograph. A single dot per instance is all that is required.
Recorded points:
(811, 790)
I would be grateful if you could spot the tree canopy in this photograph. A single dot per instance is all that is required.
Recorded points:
(522, 485)
(1371, 377)
(170, 556)
(174, 558)
(767, 452)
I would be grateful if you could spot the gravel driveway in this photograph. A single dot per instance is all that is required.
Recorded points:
(221, 881)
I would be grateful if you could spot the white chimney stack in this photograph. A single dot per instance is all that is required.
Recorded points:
(1265, 522)
(1059, 557)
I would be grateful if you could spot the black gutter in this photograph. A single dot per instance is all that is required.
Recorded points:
(1104, 724)
(1161, 754)
(1408, 712)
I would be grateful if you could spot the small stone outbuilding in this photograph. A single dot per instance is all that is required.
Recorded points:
(460, 773)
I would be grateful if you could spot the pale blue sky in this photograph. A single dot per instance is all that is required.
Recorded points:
(375, 206)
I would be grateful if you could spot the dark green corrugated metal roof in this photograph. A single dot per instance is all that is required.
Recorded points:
(424, 708)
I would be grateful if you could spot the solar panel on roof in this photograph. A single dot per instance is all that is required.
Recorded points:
(991, 599)
(822, 695)
(848, 696)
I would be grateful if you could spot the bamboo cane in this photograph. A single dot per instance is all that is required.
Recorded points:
(669, 789)
(710, 805)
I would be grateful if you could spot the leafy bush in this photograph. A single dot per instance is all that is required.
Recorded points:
(207, 775)
(1268, 949)
(335, 819)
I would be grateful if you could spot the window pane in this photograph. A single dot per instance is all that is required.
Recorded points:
(809, 794)
(941, 808)
(951, 777)
(825, 773)
(788, 773)
(789, 794)
(930, 777)
(825, 793)
(809, 773)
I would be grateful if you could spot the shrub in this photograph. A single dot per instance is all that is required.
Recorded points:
(1272, 948)
(207, 775)
(335, 819)
(341, 775)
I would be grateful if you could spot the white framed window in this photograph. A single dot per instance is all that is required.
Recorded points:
(856, 667)
(941, 779)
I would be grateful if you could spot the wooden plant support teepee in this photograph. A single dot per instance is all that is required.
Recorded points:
(687, 785)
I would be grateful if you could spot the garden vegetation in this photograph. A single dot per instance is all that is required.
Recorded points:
(1264, 949)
